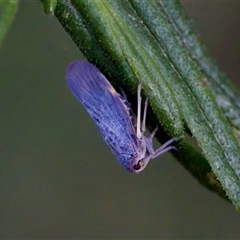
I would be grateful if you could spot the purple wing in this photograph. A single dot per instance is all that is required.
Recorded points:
(106, 107)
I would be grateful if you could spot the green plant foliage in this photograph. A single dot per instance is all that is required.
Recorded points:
(7, 12)
(154, 42)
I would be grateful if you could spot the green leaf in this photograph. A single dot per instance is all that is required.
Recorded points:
(7, 12)
(153, 41)
(226, 95)
(49, 6)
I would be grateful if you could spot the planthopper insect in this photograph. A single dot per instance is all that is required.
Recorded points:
(112, 115)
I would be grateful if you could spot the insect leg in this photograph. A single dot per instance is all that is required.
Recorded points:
(139, 133)
(166, 147)
(143, 127)
(153, 133)
(149, 143)
(124, 95)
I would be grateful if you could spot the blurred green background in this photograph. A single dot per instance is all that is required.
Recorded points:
(58, 179)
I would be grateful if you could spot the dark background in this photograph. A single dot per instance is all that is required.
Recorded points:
(58, 179)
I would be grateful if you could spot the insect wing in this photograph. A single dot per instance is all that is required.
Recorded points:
(106, 108)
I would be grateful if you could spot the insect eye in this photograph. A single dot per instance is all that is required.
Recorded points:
(138, 165)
